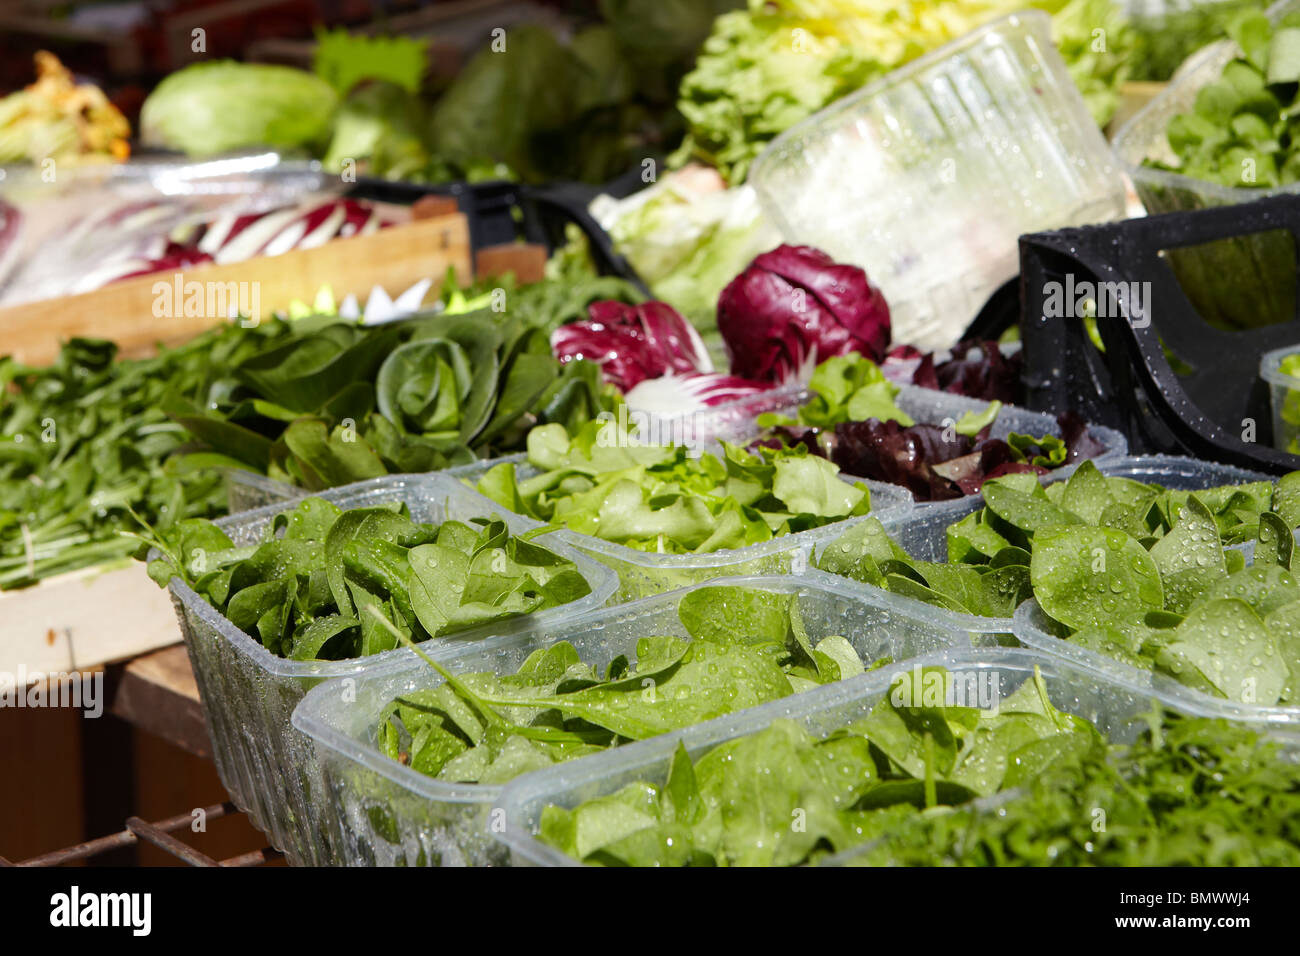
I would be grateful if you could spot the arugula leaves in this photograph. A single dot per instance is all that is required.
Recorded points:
(602, 482)
(85, 449)
(329, 584)
(782, 797)
(1136, 572)
(1189, 792)
(747, 648)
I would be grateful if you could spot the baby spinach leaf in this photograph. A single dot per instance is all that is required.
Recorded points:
(1190, 556)
(1094, 577)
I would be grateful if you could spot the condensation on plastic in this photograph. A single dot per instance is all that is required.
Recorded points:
(644, 573)
(1280, 385)
(1112, 704)
(390, 814)
(249, 694)
(927, 177)
(1033, 628)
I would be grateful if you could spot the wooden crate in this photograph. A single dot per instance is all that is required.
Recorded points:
(128, 311)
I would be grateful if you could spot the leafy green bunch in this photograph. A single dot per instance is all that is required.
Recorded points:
(602, 482)
(332, 402)
(329, 584)
(735, 805)
(1242, 128)
(1190, 792)
(747, 647)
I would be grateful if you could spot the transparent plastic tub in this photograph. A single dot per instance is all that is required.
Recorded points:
(249, 694)
(1115, 706)
(644, 573)
(939, 167)
(1241, 282)
(390, 814)
(1035, 629)
(1284, 398)
(923, 533)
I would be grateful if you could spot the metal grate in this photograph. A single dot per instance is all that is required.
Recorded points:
(159, 834)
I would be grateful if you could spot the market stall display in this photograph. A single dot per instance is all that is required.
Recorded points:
(692, 519)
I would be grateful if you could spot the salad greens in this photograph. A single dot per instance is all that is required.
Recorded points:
(1136, 572)
(1190, 791)
(1240, 131)
(784, 797)
(601, 481)
(481, 728)
(1289, 414)
(329, 584)
(1163, 40)
(328, 402)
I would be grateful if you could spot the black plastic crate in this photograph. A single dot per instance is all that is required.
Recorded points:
(1202, 407)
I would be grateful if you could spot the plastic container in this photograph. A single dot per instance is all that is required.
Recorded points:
(644, 573)
(1112, 704)
(390, 814)
(248, 693)
(939, 167)
(1243, 282)
(1284, 398)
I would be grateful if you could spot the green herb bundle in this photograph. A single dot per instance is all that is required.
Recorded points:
(748, 647)
(85, 443)
(601, 482)
(329, 584)
(784, 797)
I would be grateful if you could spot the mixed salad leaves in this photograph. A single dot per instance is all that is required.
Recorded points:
(488, 729)
(910, 756)
(1137, 572)
(853, 420)
(601, 481)
(330, 584)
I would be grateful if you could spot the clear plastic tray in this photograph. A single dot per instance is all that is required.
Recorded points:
(1112, 704)
(249, 694)
(927, 177)
(644, 573)
(390, 814)
(1212, 275)
(1286, 434)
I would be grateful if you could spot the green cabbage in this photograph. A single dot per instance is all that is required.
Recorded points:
(222, 105)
